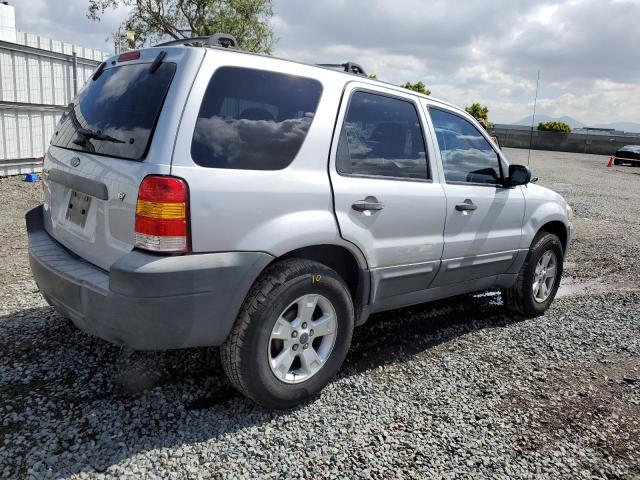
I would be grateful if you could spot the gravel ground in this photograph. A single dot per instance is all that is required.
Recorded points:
(454, 389)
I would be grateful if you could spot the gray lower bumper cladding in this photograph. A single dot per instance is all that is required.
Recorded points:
(145, 301)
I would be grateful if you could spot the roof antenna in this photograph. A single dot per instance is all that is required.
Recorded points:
(533, 118)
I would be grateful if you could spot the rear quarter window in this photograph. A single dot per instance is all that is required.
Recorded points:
(253, 119)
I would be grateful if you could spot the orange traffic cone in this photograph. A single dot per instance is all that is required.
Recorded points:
(610, 164)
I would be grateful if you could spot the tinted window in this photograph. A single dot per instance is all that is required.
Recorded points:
(253, 119)
(123, 104)
(382, 136)
(466, 155)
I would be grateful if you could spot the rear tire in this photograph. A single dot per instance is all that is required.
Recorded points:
(534, 290)
(269, 331)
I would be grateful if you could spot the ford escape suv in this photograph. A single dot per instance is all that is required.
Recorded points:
(197, 195)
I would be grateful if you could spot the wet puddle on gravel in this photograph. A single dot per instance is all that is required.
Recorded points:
(572, 286)
(494, 297)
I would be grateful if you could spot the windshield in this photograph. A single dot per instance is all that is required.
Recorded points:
(115, 114)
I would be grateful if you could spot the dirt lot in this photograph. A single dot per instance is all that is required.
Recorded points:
(451, 389)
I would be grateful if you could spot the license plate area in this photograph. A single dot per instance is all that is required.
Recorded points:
(78, 208)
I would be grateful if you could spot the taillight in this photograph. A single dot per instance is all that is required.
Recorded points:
(162, 217)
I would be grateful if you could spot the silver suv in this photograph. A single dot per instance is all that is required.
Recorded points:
(197, 195)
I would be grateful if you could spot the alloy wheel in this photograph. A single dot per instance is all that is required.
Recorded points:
(302, 338)
(544, 276)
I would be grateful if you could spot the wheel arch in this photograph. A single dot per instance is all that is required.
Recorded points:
(350, 266)
(559, 229)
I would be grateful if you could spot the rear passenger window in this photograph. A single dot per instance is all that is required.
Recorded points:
(381, 136)
(466, 155)
(253, 119)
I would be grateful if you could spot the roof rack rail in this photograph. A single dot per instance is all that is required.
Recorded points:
(224, 40)
(349, 67)
(216, 40)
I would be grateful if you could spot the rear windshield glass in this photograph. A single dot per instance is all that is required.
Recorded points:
(115, 114)
(253, 119)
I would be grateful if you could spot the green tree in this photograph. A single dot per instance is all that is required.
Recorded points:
(419, 87)
(373, 76)
(554, 127)
(247, 20)
(478, 111)
(481, 113)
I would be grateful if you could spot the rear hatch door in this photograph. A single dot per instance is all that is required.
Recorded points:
(120, 128)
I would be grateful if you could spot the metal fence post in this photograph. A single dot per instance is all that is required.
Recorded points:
(74, 63)
(586, 143)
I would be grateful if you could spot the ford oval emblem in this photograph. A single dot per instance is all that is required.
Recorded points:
(75, 161)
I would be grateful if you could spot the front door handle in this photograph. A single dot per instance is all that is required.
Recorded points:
(466, 206)
(368, 204)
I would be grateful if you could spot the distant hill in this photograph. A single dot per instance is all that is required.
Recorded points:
(573, 123)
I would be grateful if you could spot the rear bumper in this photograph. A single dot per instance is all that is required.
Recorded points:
(145, 301)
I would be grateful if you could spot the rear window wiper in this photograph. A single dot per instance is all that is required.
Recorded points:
(99, 71)
(87, 134)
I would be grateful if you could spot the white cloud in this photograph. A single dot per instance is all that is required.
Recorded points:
(545, 14)
(597, 102)
(487, 51)
(466, 51)
(66, 20)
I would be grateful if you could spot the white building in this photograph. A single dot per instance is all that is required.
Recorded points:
(38, 78)
(7, 22)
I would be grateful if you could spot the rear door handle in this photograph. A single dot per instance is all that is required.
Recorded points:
(466, 206)
(369, 203)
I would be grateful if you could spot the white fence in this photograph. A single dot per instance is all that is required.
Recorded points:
(44, 43)
(38, 78)
(24, 138)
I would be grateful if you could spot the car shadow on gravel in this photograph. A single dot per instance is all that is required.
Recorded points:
(76, 404)
(397, 336)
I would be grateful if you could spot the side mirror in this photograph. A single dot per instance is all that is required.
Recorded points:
(518, 175)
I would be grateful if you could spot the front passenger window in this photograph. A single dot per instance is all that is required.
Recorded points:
(466, 155)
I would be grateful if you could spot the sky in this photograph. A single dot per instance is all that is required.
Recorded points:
(588, 51)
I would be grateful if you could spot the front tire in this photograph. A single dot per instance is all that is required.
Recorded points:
(292, 334)
(538, 279)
